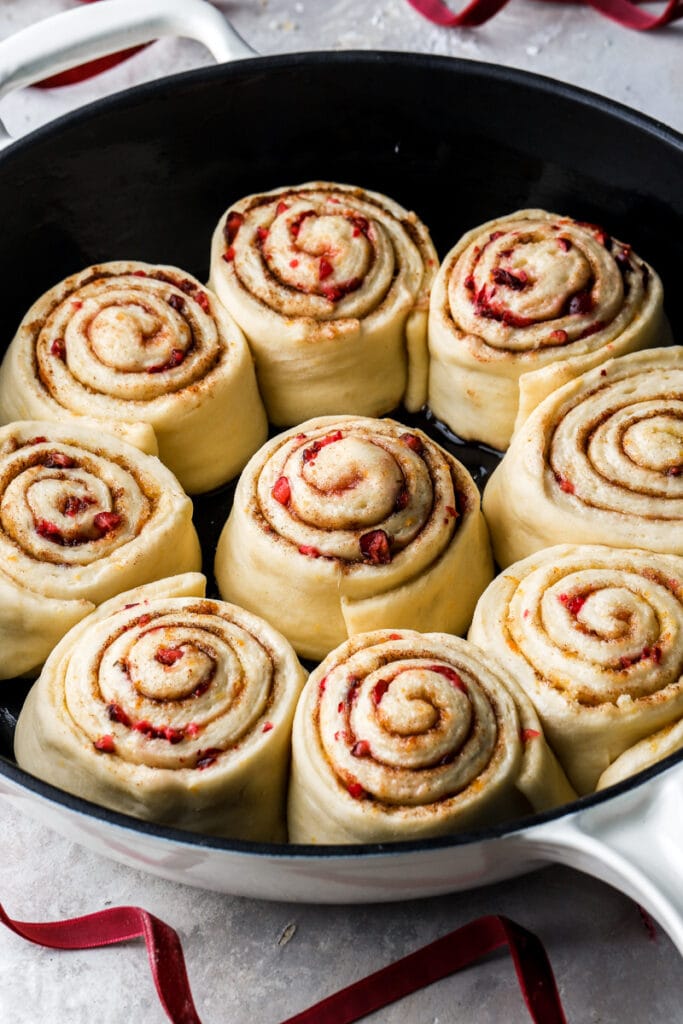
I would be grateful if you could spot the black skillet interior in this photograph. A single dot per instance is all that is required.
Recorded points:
(146, 175)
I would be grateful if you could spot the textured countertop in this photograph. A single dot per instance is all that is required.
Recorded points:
(255, 961)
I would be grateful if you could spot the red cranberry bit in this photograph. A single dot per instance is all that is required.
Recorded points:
(117, 714)
(105, 744)
(495, 235)
(361, 225)
(175, 359)
(310, 453)
(144, 620)
(322, 685)
(173, 735)
(169, 655)
(294, 264)
(412, 441)
(206, 758)
(625, 662)
(202, 300)
(281, 208)
(44, 528)
(654, 653)
(395, 636)
(58, 460)
(193, 729)
(402, 500)
(526, 613)
(529, 734)
(573, 602)
(469, 283)
(375, 547)
(674, 471)
(333, 293)
(145, 727)
(450, 674)
(76, 304)
(581, 302)
(233, 222)
(177, 302)
(564, 244)
(565, 485)
(341, 736)
(139, 273)
(325, 268)
(105, 522)
(361, 749)
(623, 258)
(282, 492)
(229, 254)
(36, 440)
(452, 511)
(58, 348)
(261, 234)
(600, 233)
(561, 337)
(355, 790)
(341, 707)
(267, 726)
(309, 551)
(516, 281)
(73, 506)
(592, 329)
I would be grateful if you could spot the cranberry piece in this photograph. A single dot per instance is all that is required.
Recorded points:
(309, 550)
(193, 729)
(76, 304)
(674, 471)
(233, 222)
(175, 359)
(355, 790)
(173, 735)
(311, 452)
(413, 442)
(529, 734)
(495, 235)
(73, 506)
(452, 511)
(267, 726)
(294, 264)
(565, 485)
(229, 254)
(281, 490)
(139, 273)
(58, 348)
(333, 293)
(322, 685)
(361, 749)
(281, 208)
(402, 499)
(49, 530)
(581, 302)
(202, 300)
(176, 302)
(564, 244)
(450, 674)
(105, 744)
(516, 281)
(261, 234)
(592, 329)
(469, 283)
(36, 440)
(573, 602)
(169, 655)
(117, 714)
(105, 522)
(361, 225)
(559, 336)
(375, 547)
(325, 268)
(654, 653)
(206, 758)
(58, 460)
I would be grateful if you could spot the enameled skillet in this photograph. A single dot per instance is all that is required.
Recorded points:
(146, 174)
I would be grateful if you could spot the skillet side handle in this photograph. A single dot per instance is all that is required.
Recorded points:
(96, 30)
(632, 841)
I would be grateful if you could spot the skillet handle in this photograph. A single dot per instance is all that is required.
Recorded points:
(633, 841)
(86, 33)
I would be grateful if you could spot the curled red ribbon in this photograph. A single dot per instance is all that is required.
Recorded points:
(437, 960)
(624, 12)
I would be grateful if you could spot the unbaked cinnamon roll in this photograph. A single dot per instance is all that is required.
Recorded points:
(169, 707)
(599, 461)
(346, 524)
(594, 636)
(330, 284)
(82, 516)
(402, 735)
(138, 347)
(525, 303)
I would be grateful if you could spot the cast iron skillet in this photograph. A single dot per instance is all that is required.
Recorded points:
(146, 175)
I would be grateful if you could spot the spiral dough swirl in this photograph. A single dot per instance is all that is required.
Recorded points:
(595, 638)
(365, 521)
(600, 460)
(81, 516)
(523, 304)
(130, 343)
(330, 283)
(401, 735)
(175, 702)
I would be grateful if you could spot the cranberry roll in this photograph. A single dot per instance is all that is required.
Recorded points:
(346, 524)
(402, 735)
(129, 344)
(525, 303)
(83, 515)
(331, 285)
(169, 707)
(600, 461)
(594, 636)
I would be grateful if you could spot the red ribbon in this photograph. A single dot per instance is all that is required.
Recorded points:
(437, 960)
(624, 12)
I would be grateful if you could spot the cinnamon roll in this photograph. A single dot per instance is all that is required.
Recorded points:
(82, 516)
(644, 754)
(599, 461)
(346, 524)
(169, 707)
(330, 284)
(138, 347)
(594, 636)
(402, 735)
(525, 303)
